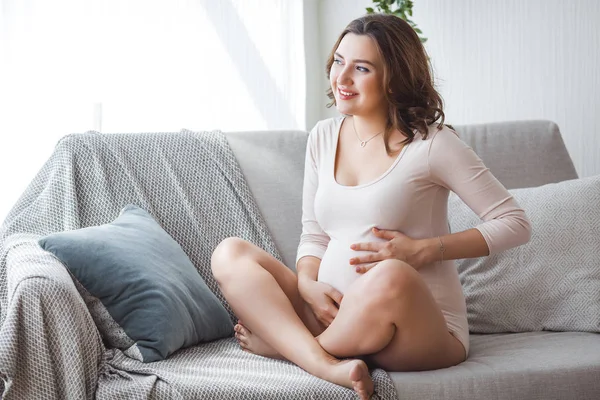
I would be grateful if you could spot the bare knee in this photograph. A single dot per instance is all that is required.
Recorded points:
(225, 255)
(387, 280)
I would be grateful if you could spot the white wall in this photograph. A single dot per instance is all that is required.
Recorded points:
(152, 65)
(506, 60)
(314, 70)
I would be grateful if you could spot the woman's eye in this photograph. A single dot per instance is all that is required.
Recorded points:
(362, 69)
(337, 61)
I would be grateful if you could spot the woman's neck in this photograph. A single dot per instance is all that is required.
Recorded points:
(367, 126)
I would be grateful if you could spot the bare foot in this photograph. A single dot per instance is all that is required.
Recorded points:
(361, 380)
(252, 343)
(353, 374)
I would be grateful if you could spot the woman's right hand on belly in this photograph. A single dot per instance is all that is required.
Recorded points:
(323, 299)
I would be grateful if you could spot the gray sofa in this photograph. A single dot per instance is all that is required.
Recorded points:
(504, 365)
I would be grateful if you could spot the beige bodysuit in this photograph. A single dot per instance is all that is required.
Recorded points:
(410, 197)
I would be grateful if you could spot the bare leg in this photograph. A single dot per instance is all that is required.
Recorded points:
(390, 315)
(266, 298)
(253, 343)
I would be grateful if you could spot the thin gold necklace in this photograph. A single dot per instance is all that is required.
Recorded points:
(363, 143)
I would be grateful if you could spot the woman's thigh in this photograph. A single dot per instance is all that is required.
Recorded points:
(422, 340)
(238, 248)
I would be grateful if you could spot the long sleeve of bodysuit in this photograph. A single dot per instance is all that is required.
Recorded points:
(455, 166)
(313, 241)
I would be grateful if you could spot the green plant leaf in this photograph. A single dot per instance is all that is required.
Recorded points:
(401, 9)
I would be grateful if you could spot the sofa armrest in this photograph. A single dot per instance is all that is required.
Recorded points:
(49, 345)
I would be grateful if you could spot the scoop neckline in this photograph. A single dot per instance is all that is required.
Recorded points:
(335, 150)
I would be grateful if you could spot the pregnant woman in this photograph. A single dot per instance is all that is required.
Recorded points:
(376, 283)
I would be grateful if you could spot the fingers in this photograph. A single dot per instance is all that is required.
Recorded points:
(366, 258)
(387, 234)
(325, 319)
(383, 233)
(361, 269)
(366, 246)
(329, 311)
(335, 295)
(332, 315)
(329, 316)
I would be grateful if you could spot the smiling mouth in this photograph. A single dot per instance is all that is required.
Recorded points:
(346, 95)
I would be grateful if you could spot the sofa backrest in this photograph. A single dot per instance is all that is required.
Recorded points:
(273, 165)
(519, 154)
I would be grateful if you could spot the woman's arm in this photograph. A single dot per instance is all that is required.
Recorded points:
(308, 268)
(322, 298)
(466, 244)
(455, 166)
(313, 240)
(419, 252)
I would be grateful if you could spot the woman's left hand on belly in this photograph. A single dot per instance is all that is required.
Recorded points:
(398, 246)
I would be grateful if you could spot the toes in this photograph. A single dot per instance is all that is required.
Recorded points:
(356, 374)
(359, 375)
(241, 329)
(359, 389)
(362, 394)
(240, 338)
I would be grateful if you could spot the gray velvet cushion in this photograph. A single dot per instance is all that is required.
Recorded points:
(145, 281)
(550, 283)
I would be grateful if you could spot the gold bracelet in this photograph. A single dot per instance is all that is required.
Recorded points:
(442, 248)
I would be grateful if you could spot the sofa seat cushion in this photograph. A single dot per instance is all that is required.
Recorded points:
(532, 365)
(220, 370)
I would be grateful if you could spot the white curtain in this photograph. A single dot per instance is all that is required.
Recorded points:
(142, 65)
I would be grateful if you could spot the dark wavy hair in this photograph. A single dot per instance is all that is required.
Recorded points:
(413, 102)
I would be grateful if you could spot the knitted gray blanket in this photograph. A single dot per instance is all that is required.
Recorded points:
(192, 185)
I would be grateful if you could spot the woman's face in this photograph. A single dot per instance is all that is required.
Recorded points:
(356, 76)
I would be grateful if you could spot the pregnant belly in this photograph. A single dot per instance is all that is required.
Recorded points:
(335, 268)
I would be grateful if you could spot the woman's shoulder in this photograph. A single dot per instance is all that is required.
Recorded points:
(443, 131)
(329, 125)
(435, 133)
(323, 135)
